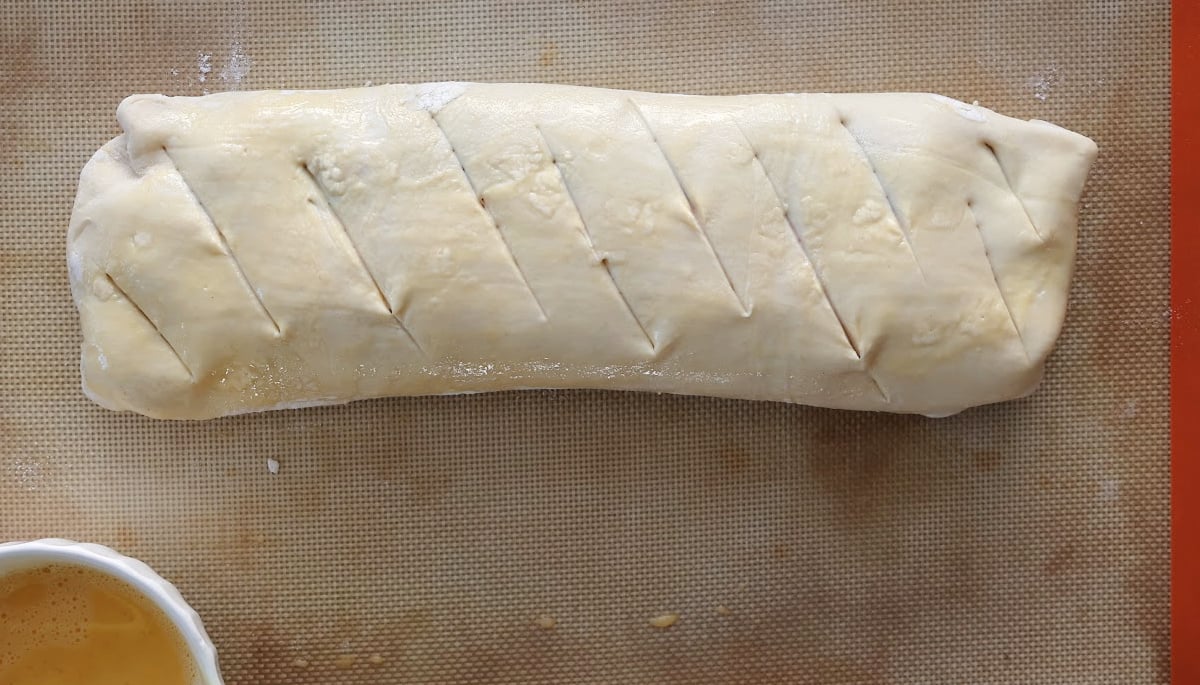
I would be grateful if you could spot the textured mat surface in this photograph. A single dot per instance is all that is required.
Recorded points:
(422, 540)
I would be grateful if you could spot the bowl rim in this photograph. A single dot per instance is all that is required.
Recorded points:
(22, 555)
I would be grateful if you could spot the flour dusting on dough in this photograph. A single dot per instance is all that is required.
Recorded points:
(432, 97)
(972, 112)
(75, 265)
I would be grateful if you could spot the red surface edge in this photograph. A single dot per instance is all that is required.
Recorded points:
(1185, 344)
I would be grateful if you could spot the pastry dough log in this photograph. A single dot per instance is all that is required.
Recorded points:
(259, 250)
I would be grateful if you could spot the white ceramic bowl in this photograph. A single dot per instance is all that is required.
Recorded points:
(19, 556)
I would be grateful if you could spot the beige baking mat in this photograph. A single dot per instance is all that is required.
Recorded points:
(418, 540)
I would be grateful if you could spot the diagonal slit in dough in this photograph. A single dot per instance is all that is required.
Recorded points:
(1008, 184)
(121, 291)
(491, 217)
(225, 246)
(887, 196)
(586, 234)
(625, 301)
(358, 256)
(996, 278)
(691, 205)
(813, 265)
(871, 374)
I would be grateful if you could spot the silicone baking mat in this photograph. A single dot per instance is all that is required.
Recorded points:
(434, 540)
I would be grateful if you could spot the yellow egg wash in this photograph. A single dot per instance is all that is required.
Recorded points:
(67, 625)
